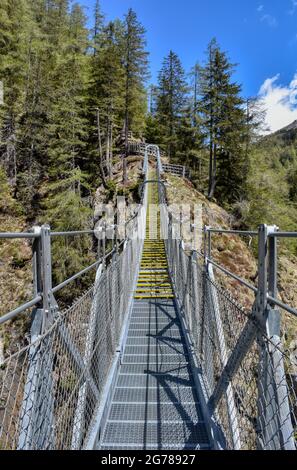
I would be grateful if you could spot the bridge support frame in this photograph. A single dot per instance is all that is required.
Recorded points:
(274, 427)
(274, 424)
(37, 411)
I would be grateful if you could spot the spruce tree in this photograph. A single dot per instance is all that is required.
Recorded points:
(135, 59)
(191, 136)
(171, 101)
(221, 107)
(98, 27)
(67, 134)
(14, 40)
(106, 98)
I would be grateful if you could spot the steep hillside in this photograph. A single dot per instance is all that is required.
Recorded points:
(270, 194)
(236, 254)
(229, 250)
(16, 255)
(15, 265)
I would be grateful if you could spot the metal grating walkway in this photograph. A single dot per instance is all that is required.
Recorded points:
(154, 403)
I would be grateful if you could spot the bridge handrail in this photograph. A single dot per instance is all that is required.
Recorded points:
(272, 235)
(36, 234)
(238, 351)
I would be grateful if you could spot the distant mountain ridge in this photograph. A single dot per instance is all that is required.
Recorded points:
(288, 132)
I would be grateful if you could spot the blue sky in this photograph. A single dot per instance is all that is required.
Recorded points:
(261, 36)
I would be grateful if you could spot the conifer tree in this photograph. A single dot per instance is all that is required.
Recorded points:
(172, 101)
(14, 38)
(98, 27)
(67, 133)
(221, 107)
(106, 96)
(135, 59)
(196, 160)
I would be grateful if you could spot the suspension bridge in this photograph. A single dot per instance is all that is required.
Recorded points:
(156, 354)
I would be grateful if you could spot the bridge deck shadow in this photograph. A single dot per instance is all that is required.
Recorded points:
(155, 404)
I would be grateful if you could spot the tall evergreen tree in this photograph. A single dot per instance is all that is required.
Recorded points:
(106, 97)
(67, 130)
(172, 101)
(136, 73)
(221, 107)
(98, 27)
(15, 29)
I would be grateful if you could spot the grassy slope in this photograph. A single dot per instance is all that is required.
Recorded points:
(233, 252)
(230, 251)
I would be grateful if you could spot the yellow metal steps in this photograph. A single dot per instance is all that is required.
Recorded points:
(153, 280)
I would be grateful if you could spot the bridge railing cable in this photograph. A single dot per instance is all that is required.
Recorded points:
(249, 389)
(53, 385)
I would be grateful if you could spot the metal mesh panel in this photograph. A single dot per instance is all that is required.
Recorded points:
(250, 392)
(51, 388)
(162, 435)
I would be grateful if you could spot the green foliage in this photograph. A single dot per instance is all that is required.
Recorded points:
(171, 102)
(135, 61)
(67, 99)
(223, 117)
(69, 93)
(8, 205)
(270, 196)
(111, 189)
(67, 211)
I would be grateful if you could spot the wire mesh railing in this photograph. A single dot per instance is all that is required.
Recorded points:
(250, 391)
(52, 387)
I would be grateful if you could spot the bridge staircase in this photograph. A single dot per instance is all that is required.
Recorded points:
(155, 404)
(156, 353)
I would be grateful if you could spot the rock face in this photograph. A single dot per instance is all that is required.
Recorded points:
(105, 202)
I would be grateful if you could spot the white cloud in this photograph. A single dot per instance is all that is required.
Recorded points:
(270, 20)
(279, 101)
(266, 17)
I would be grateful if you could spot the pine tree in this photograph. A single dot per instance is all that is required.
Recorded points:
(136, 73)
(221, 107)
(106, 98)
(67, 133)
(98, 27)
(172, 101)
(14, 40)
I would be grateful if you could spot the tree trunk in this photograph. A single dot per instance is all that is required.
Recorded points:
(102, 173)
(107, 146)
(110, 150)
(213, 181)
(210, 172)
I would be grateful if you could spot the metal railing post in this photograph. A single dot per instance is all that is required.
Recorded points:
(272, 265)
(262, 271)
(46, 268)
(206, 244)
(274, 424)
(209, 245)
(36, 262)
(36, 414)
(104, 245)
(181, 225)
